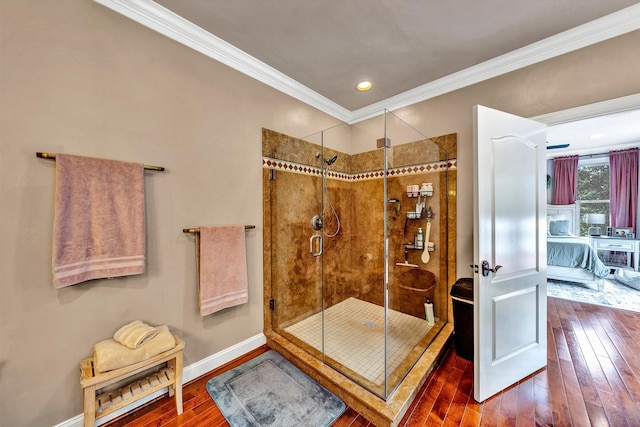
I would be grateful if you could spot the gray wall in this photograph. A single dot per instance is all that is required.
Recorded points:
(78, 78)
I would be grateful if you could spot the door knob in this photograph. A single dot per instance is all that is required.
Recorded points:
(486, 269)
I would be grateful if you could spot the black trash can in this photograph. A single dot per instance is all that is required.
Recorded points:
(462, 296)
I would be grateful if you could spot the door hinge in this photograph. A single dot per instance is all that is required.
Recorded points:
(272, 304)
(272, 174)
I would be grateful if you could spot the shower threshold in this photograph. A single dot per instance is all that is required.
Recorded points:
(379, 412)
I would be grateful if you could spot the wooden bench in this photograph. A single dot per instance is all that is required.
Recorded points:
(98, 404)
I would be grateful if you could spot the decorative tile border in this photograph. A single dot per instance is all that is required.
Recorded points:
(269, 163)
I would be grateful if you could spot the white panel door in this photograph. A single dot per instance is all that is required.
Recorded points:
(510, 288)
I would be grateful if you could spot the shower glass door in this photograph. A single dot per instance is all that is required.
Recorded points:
(292, 192)
(353, 258)
(415, 229)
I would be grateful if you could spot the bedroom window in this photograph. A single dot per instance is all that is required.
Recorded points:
(593, 190)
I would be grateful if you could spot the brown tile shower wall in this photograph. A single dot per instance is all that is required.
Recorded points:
(423, 280)
(295, 273)
(367, 244)
(354, 259)
(293, 195)
(341, 272)
(448, 200)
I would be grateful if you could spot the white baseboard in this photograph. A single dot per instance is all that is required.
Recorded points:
(189, 373)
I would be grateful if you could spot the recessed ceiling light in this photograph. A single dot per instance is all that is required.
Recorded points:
(364, 86)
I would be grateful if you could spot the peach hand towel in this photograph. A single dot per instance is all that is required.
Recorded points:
(135, 334)
(222, 268)
(99, 224)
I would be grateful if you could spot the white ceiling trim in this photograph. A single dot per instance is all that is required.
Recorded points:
(610, 106)
(613, 25)
(164, 21)
(616, 105)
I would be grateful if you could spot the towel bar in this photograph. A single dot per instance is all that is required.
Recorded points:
(197, 230)
(50, 156)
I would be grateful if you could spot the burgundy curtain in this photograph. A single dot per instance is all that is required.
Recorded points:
(565, 180)
(623, 187)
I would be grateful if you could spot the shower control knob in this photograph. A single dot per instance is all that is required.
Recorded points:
(316, 222)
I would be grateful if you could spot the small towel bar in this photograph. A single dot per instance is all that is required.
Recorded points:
(197, 230)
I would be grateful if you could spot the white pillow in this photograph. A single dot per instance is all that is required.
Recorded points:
(560, 227)
(554, 218)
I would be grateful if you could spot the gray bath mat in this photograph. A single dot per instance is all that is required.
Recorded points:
(270, 391)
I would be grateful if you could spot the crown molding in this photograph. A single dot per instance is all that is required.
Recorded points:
(162, 20)
(616, 105)
(609, 26)
(610, 106)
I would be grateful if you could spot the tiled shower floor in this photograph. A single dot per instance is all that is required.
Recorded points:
(354, 336)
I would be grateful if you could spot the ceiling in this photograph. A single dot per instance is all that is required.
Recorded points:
(329, 46)
(411, 50)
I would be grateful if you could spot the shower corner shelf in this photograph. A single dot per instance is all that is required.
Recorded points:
(412, 247)
(416, 215)
(413, 194)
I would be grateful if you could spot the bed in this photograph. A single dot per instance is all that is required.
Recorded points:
(570, 258)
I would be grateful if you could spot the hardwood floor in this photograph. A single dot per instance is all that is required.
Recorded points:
(592, 379)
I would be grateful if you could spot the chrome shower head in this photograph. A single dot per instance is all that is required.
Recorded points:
(331, 160)
(328, 162)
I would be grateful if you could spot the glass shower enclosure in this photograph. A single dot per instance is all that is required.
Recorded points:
(358, 246)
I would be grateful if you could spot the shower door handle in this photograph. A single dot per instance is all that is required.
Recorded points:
(311, 245)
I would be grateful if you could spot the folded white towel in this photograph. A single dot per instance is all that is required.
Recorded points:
(110, 354)
(135, 334)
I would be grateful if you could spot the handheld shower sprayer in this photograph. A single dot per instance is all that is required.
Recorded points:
(325, 195)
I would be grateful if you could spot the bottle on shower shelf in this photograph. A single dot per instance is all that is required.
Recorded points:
(419, 239)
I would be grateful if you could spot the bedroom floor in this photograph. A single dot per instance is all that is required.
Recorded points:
(611, 293)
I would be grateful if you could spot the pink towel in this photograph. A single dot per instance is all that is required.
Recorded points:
(98, 227)
(222, 268)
